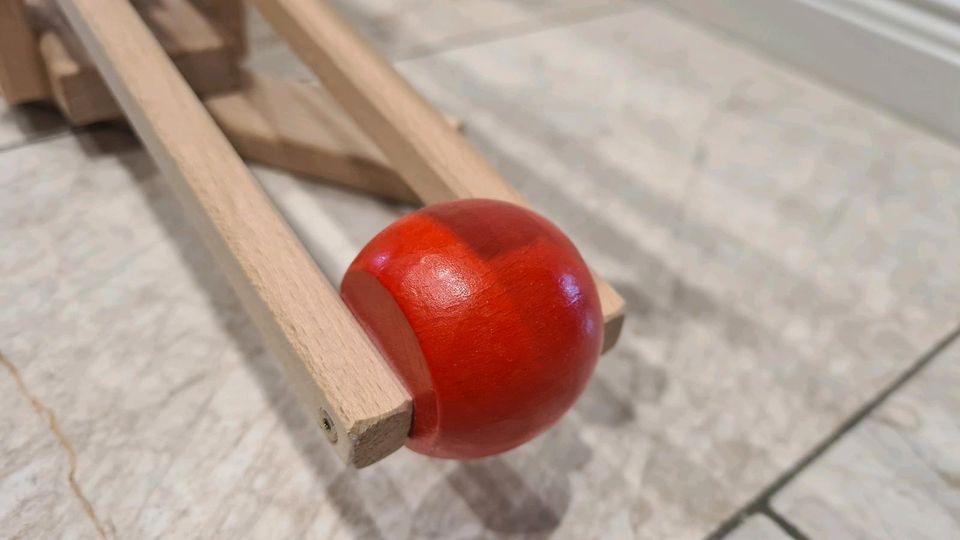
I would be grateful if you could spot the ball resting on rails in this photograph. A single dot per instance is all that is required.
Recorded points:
(496, 340)
(487, 313)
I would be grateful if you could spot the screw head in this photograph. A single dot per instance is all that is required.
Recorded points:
(329, 429)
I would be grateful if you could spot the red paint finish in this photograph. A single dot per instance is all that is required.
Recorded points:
(488, 314)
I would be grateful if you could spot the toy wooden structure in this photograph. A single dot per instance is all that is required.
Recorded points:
(366, 128)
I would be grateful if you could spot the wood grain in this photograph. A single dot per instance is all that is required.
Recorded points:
(199, 51)
(22, 78)
(337, 372)
(298, 127)
(436, 161)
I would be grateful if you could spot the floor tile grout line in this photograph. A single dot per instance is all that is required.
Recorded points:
(785, 525)
(762, 500)
(520, 29)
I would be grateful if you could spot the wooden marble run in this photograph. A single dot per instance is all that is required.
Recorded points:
(462, 330)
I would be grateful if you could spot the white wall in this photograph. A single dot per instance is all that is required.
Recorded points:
(901, 54)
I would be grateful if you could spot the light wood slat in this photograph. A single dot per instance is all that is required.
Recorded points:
(198, 50)
(437, 162)
(22, 78)
(328, 358)
(298, 127)
(231, 15)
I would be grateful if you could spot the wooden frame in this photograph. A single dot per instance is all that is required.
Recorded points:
(437, 162)
(231, 17)
(22, 78)
(336, 371)
(188, 36)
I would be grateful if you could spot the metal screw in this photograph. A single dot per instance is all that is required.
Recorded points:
(328, 428)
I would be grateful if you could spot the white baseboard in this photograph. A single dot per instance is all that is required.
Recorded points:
(901, 54)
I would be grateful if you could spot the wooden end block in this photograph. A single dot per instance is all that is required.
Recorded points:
(231, 16)
(198, 50)
(22, 78)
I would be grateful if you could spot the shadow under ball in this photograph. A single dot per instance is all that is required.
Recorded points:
(489, 316)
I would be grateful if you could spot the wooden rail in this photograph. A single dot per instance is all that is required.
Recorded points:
(335, 369)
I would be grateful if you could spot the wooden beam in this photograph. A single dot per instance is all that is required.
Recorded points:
(22, 78)
(437, 162)
(231, 17)
(336, 370)
(298, 127)
(199, 51)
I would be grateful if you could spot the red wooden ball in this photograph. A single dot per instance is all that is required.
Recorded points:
(487, 313)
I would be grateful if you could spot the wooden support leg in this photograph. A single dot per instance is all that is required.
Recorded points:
(22, 78)
(197, 48)
(335, 369)
(436, 161)
(298, 127)
(231, 16)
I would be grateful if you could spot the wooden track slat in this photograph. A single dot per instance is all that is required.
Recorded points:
(231, 17)
(22, 77)
(198, 50)
(328, 358)
(436, 162)
(298, 127)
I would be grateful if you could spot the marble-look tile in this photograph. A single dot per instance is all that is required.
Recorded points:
(757, 527)
(896, 474)
(785, 253)
(407, 28)
(120, 323)
(36, 495)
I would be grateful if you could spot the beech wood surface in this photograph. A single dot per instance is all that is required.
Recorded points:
(297, 126)
(338, 374)
(21, 73)
(198, 49)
